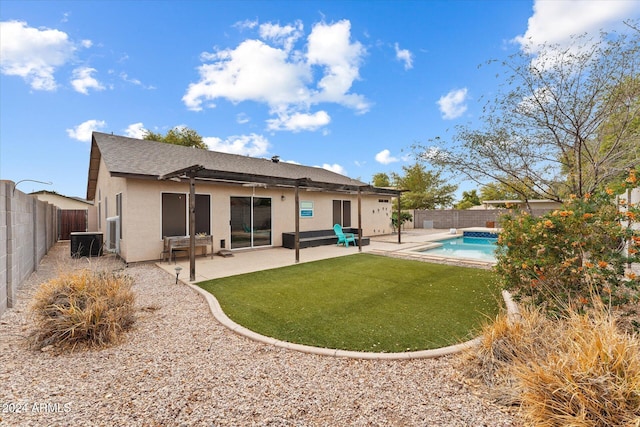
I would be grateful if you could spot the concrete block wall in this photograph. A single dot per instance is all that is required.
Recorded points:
(454, 218)
(3, 247)
(27, 232)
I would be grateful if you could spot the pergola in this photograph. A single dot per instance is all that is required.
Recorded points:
(200, 173)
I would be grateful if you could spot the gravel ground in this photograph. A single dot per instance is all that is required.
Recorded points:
(179, 367)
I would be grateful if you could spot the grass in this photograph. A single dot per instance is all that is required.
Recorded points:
(362, 302)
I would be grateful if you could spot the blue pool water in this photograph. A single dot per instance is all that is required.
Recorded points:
(478, 248)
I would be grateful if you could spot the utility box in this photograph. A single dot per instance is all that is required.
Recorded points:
(86, 244)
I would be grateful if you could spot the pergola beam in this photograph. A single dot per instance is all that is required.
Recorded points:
(200, 172)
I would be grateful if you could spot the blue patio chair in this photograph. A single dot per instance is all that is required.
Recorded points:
(344, 237)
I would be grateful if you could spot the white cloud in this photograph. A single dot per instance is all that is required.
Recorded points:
(83, 131)
(135, 130)
(385, 157)
(299, 121)
(242, 118)
(405, 56)
(334, 168)
(329, 46)
(284, 36)
(247, 145)
(555, 21)
(125, 77)
(83, 80)
(432, 153)
(453, 104)
(540, 96)
(253, 71)
(86, 43)
(246, 24)
(33, 54)
(281, 76)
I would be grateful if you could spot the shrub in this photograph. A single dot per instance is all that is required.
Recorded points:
(82, 308)
(592, 380)
(504, 342)
(581, 370)
(565, 258)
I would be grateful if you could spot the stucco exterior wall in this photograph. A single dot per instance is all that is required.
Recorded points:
(142, 211)
(104, 205)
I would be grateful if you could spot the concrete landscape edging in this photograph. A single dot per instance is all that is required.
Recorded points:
(221, 317)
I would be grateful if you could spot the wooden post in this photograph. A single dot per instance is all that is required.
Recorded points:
(399, 223)
(192, 228)
(297, 223)
(359, 220)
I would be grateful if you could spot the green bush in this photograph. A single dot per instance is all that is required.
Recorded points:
(82, 308)
(564, 258)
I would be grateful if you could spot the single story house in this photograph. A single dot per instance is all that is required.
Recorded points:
(141, 191)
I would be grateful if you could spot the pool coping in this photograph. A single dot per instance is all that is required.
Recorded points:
(222, 318)
(415, 253)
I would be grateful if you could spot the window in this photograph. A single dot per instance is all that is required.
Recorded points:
(203, 213)
(342, 212)
(99, 209)
(174, 214)
(119, 210)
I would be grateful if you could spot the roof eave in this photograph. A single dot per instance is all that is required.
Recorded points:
(94, 166)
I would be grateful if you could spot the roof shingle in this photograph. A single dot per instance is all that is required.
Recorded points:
(136, 157)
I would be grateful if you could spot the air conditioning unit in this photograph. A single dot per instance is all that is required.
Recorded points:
(113, 234)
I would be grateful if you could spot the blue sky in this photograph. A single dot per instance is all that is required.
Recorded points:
(344, 85)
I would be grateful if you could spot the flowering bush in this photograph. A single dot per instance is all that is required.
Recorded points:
(571, 255)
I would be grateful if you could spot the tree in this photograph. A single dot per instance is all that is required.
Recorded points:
(565, 122)
(469, 199)
(424, 189)
(404, 217)
(381, 179)
(497, 191)
(178, 136)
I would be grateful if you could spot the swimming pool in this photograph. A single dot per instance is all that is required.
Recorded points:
(476, 248)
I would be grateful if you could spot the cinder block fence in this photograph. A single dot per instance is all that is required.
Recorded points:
(454, 218)
(28, 229)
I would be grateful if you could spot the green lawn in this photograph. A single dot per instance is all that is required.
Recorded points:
(362, 302)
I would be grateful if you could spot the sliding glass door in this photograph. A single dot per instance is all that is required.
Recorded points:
(250, 222)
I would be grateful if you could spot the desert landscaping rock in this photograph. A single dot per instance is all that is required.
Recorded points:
(180, 367)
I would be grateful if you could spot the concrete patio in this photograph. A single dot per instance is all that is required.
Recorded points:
(247, 261)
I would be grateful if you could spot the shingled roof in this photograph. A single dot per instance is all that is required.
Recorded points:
(143, 159)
